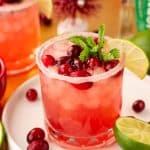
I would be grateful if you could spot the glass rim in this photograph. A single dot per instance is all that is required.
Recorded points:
(17, 6)
(53, 74)
(2, 68)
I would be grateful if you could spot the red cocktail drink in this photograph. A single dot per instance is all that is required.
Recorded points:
(80, 108)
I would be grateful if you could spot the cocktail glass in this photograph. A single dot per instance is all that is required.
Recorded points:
(79, 119)
(19, 35)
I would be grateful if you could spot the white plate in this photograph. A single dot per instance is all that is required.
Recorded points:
(20, 115)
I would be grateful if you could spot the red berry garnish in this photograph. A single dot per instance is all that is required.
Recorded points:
(96, 40)
(74, 51)
(63, 60)
(77, 64)
(1, 2)
(82, 73)
(31, 94)
(138, 106)
(48, 60)
(93, 62)
(44, 20)
(65, 69)
(35, 134)
(38, 145)
(12, 1)
(110, 64)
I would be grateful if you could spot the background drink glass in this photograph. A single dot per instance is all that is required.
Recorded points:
(19, 35)
(79, 118)
(2, 77)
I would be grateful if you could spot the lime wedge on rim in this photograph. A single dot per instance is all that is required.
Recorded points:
(136, 60)
(132, 134)
(46, 7)
(2, 135)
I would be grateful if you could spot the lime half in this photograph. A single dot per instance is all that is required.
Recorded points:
(46, 7)
(132, 134)
(136, 60)
(2, 135)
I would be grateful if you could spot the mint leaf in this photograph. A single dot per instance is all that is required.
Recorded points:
(79, 40)
(107, 56)
(115, 52)
(84, 55)
(101, 34)
(90, 42)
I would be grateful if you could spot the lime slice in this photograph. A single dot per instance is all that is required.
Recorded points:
(46, 7)
(132, 134)
(2, 135)
(136, 60)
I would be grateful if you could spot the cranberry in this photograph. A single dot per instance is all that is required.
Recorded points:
(1, 2)
(31, 94)
(48, 60)
(82, 73)
(65, 69)
(93, 62)
(74, 51)
(12, 1)
(138, 106)
(63, 60)
(110, 64)
(77, 64)
(96, 40)
(35, 134)
(44, 20)
(38, 145)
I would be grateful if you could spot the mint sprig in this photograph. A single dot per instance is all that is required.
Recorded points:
(91, 49)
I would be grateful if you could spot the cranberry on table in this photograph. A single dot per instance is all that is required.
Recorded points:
(35, 134)
(65, 69)
(74, 51)
(138, 106)
(38, 145)
(63, 60)
(82, 73)
(48, 60)
(31, 94)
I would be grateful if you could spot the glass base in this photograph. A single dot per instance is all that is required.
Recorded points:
(77, 143)
(20, 66)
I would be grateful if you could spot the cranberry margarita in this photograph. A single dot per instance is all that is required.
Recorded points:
(20, 34)
(81, 100)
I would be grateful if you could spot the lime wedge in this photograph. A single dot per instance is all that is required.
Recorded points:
(46, 7)
(2, 135)
(132, 134)
(136, 60)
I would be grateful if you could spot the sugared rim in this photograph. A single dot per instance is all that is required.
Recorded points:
(53, 74)
(2, 68)
(17, 6)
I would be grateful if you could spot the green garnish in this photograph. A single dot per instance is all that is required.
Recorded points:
(91, 49)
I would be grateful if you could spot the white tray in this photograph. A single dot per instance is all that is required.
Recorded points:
(20, 115)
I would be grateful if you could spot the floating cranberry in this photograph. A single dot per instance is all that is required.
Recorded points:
(82, 73)
(38, 145)
(44, 20)
(31, 94)
(110, 64)
(65, 69)
(138, 106)
(48, 60)
(77, 64)
(35, 134)
(63, 60)
(74, 51)
(93, 62)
